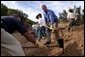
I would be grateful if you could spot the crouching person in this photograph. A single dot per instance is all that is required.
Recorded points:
(9, 45)
(41, 29)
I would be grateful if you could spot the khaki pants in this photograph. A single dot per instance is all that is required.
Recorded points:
(51, 36)
(9, 45)
(55, 34)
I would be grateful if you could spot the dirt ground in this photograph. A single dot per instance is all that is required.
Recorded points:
(73, 44)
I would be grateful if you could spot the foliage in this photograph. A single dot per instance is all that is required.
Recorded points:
(4, 10)
(9, 11)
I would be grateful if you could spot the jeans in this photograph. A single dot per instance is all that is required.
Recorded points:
(41, 32)
(35, 33)
(48, 34)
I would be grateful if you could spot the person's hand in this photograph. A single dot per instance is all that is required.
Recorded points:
(40, 45)
(51, 27)
(47, 26)
(53, 30)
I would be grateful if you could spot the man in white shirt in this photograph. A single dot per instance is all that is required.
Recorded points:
(71, 18)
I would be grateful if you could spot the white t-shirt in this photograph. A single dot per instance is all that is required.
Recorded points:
(70, 15)
(41, 22)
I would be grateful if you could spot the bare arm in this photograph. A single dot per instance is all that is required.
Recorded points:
(29, 37)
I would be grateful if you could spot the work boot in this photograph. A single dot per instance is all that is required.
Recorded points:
(60, 42)
(68, 29)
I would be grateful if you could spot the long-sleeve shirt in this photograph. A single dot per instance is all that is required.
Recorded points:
(50, 16)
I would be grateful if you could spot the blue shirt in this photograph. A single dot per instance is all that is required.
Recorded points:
(10, 24)
(50, 17)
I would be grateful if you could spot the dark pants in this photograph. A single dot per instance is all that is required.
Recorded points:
(35, 33)
(41, 32)
(71, 23)
(48, 34)
(43, 29)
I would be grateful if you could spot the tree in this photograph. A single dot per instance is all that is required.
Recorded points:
(16, 11)
(12, 11)
(9, 11)
(29, 21)
(4, 10)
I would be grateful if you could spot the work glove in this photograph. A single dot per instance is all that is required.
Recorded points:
(40, 45)
(47, 27)
(51, 27)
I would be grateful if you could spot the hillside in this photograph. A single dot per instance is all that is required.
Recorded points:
(73, 44)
